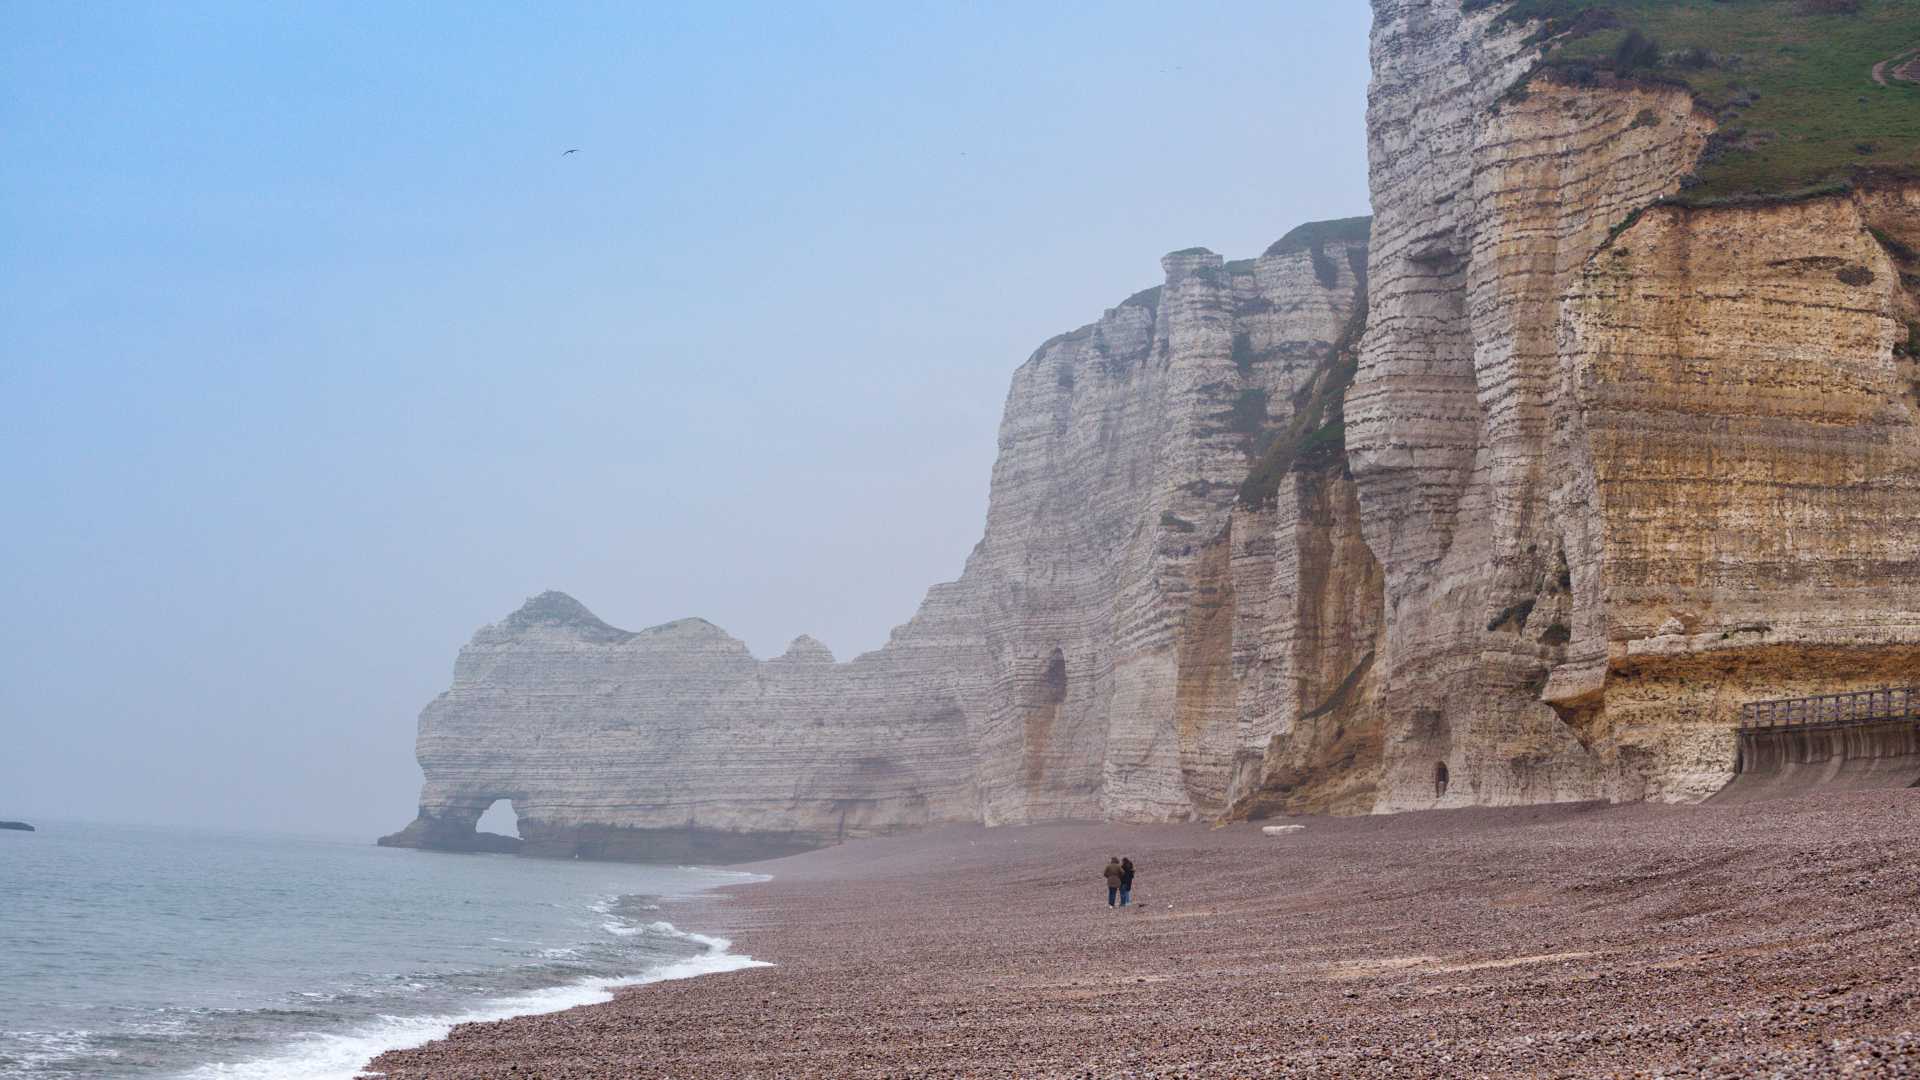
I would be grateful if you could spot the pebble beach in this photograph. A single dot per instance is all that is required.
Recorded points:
(1775, 939)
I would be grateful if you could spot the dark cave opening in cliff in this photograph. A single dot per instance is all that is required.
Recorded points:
(499, 818)
(1439, 779)
(1047, 695)
(1053, 684)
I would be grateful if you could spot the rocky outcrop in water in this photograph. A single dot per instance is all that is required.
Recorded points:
(674, 743)
(1514, 498)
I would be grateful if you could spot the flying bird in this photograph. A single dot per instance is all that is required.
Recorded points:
(575, 150)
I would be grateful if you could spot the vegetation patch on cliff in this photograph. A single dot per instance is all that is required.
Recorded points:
(1791, 81)
(1353, 231)
(558, 610)
(1317, 433)
(1146, 298)
(1313, 238)
(1248, 414)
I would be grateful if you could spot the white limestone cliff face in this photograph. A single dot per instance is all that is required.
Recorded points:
(1104, 582)
(1048, 682)
(675, 742)
(1527, 493)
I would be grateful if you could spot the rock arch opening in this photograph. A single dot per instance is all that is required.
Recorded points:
(463, 823)
(499, 818)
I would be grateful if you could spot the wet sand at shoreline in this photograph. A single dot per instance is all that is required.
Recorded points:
(1773, 939)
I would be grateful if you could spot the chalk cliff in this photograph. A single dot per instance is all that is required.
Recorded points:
(1625, 465)
(675, 743)
(1513, 496)
(1084, 665)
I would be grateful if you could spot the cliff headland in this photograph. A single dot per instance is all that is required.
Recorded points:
(1604, 424)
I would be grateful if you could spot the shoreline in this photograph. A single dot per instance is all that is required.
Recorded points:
(345, 1054)
(338, 1056)
(1569, 940)
(216, 954)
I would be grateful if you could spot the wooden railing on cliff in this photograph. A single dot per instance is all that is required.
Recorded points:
(1824, 710)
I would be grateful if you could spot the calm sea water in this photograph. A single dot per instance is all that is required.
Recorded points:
(146, 952)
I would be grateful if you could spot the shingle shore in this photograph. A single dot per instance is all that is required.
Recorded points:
(1777, 939)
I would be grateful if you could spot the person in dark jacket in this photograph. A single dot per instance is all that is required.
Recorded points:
(1114, 874)
(1126, 881)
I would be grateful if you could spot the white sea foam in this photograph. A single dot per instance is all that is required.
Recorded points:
(32, 1051)
(744, 876)
(341, 1057)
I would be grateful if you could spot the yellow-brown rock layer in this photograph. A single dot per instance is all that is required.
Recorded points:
(1597, 437)
(1610, 468)
(1467, 450)
(1756, 470)
(1313, 733)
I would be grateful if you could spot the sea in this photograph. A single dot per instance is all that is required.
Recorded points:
(131, 951)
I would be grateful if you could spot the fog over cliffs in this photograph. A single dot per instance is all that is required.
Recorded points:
(1511, 495)
(309, 376)
(1081, 667)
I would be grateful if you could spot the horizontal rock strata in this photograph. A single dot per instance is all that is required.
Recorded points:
(1514, 495)
(1088, 663)
(1626, 468)
(675, 743)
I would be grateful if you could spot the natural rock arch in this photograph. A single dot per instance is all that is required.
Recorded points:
(501, 818)
(455, 827)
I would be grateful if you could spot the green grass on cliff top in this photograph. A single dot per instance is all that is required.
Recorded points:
(1790, 80)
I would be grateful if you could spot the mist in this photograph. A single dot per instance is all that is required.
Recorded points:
(318, 351)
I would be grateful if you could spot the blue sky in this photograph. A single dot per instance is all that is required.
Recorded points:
(316, 353)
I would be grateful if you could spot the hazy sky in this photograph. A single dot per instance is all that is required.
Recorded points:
(316, 354)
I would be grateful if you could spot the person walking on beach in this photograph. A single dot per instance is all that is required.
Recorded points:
(1126, 881)
(1114, 874)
